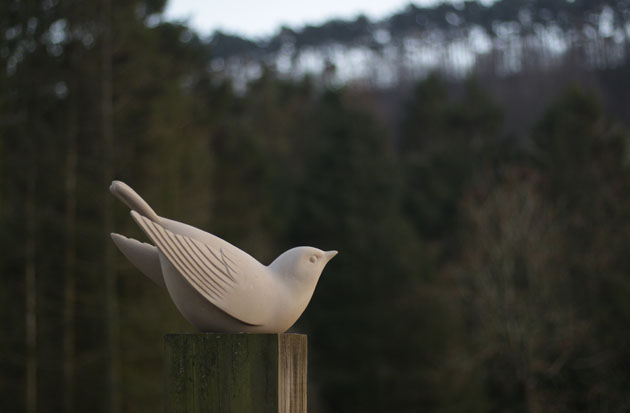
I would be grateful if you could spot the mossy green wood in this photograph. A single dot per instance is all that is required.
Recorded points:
(235, 372)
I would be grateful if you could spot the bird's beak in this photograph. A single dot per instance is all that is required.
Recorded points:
(330, 254)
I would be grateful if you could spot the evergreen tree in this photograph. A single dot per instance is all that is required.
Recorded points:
(444, 141)
(583, 157)
(365, 356)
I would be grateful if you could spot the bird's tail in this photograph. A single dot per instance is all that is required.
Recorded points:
(124, 192)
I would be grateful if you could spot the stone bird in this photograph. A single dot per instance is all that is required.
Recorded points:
(216, 286)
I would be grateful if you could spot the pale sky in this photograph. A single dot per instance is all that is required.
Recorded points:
(257, 18)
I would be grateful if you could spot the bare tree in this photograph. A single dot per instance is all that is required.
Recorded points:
(518, 290)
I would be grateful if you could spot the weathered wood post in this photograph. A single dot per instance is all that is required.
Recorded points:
(212, 373)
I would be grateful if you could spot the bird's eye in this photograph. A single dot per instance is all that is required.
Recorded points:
(313, 259)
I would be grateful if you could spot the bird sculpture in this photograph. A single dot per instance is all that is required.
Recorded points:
(216, 286)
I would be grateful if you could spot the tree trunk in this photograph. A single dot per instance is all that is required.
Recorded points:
(70, 257)
(111, 296)
(31, 286)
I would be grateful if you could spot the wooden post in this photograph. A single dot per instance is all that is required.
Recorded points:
(214, 373)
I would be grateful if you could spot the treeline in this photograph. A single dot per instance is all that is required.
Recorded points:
(456, 38)
(522, 15)
(477, 272)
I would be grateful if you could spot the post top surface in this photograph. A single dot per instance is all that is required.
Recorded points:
(235, 334)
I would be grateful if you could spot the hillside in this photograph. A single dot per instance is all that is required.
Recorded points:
(505, 37)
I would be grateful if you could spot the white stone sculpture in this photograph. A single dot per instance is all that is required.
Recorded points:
(216, 286)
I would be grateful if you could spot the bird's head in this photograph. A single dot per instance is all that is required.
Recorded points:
(302, 264)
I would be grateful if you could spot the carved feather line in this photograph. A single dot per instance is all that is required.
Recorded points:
(175, 260)
(228, 258)
(202, 260)
(224, 262)
(200, 272)
(217, 258)
(182, 255)
(166, 248)
(203, 248)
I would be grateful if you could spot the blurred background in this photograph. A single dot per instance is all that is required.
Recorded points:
(470, 161)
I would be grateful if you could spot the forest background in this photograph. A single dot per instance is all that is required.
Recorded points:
(479, 201)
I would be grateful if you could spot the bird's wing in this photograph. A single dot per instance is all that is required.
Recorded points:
(232, 283)
(142, 255)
